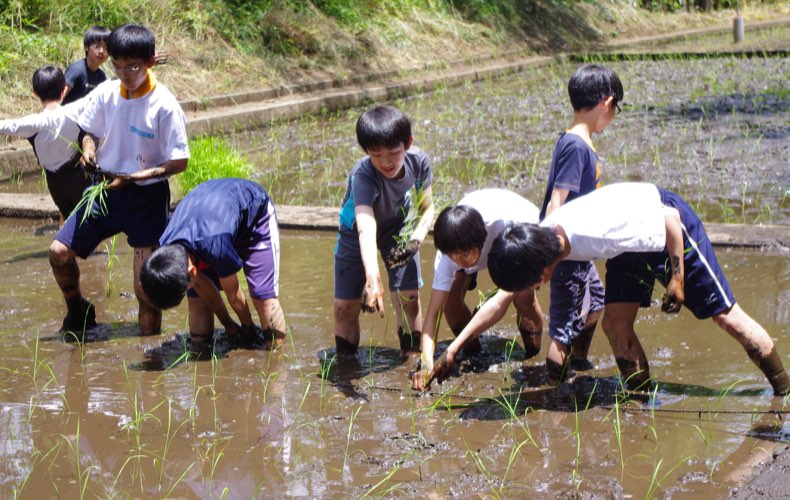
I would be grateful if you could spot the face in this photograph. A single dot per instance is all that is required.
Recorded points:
(97, 53)
(131, 71)
(389, 161)
(465, 258)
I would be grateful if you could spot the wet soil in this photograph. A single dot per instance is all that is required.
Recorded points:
(124, 415)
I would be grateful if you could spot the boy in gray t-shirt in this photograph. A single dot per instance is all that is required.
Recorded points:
(376, 214)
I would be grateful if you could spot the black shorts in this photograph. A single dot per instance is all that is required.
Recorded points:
(66, 186)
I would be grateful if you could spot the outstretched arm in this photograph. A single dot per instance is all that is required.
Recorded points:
(238, 302)
(675, 295)
(208, 292)
(487, 316)
(373, 294)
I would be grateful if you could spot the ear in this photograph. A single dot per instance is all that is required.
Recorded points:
(150, 62)
(408, 144)
(609, 101)
(192, 271)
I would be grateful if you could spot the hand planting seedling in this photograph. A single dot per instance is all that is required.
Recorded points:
(400, 255)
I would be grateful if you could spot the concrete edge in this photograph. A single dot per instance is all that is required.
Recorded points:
(772, 238)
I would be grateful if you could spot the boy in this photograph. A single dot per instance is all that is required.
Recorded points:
(373, 215)
(646, 233)
(463, 235)
(86, 74)
(55, 138)
(219, 227)
(144, 141)
(576, 290)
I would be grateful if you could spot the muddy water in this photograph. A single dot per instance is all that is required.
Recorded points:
(106, 419)
(715, 131)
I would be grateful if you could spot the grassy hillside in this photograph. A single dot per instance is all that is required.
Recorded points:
(221, 46)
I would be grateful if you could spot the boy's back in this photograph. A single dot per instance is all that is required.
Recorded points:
(574, 167)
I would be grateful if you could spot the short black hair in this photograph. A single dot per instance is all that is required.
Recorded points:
(520, 254)
(165, 276)
(592, 83)
(131, 41)
(48, 83)
(459, 228)
(95, 34)
(383, 126)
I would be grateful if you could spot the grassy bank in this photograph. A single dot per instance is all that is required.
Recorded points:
(222, 46)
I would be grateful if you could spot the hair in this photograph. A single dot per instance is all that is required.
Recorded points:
(520, 254)
(48, 83)
(592, 83)
(131, 41)
(459, 228)
(165, 276)
(383, 126)
(95, 34)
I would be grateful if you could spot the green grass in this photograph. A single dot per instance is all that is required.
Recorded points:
(211, 158)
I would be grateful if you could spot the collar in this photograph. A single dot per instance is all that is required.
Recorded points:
(147, 86)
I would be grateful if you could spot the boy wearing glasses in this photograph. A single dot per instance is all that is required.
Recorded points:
(576, 290)
(141, 131)
(86, 74)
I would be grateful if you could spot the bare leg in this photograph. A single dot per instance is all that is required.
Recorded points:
(272, 318)
(557, 365)
(458, 313)
(580, 346)
(758, 346)
(406, 304)
(201, 320)
(346, 326)
(618, 324)
(530, 320)
(149, 317)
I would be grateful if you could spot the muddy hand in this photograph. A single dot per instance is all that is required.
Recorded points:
(399, 256)
(674, 297)
(421, 380)
(372, 297)
(442, 366)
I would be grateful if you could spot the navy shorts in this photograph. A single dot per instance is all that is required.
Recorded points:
(261, 256)
(630, 277)
(350, 273)
(576, 291)
(140, 212)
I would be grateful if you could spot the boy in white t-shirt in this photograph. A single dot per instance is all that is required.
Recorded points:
(142, 133)
(463, 235)
(647, 233)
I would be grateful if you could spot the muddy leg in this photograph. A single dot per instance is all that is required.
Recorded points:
(618, 324)
(346, 326)
(458, 313)
(758, 345)
(580, 346)
(557, 365)
(406, 304)
(149, 317)
(80, 313)
(272, 318)
(530, 321)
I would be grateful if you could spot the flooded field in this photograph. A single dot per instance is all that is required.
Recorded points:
(716, 131)
(113, 418)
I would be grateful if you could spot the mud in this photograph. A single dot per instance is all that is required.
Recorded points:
(125, 415)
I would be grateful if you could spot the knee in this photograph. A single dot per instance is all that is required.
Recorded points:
(58, 254)
(345, 310)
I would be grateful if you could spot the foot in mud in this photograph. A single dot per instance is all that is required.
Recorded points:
(79, 319)
(558, 373)
(409, 343)
(581, 365)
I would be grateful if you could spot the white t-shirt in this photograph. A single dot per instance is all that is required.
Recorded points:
(138, 133)
(614, 219)
(56, 133)
(498, 207)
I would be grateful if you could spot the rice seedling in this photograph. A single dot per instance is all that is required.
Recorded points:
(348, 436)
(211, 158)
(93, 201)
(83, 475)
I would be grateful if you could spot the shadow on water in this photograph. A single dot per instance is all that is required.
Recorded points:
(342, 371)
(182, 348)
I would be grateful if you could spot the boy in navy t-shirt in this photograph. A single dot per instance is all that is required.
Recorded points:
(86, 74)
(577, 294)
(219, 228)
(373, 215)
